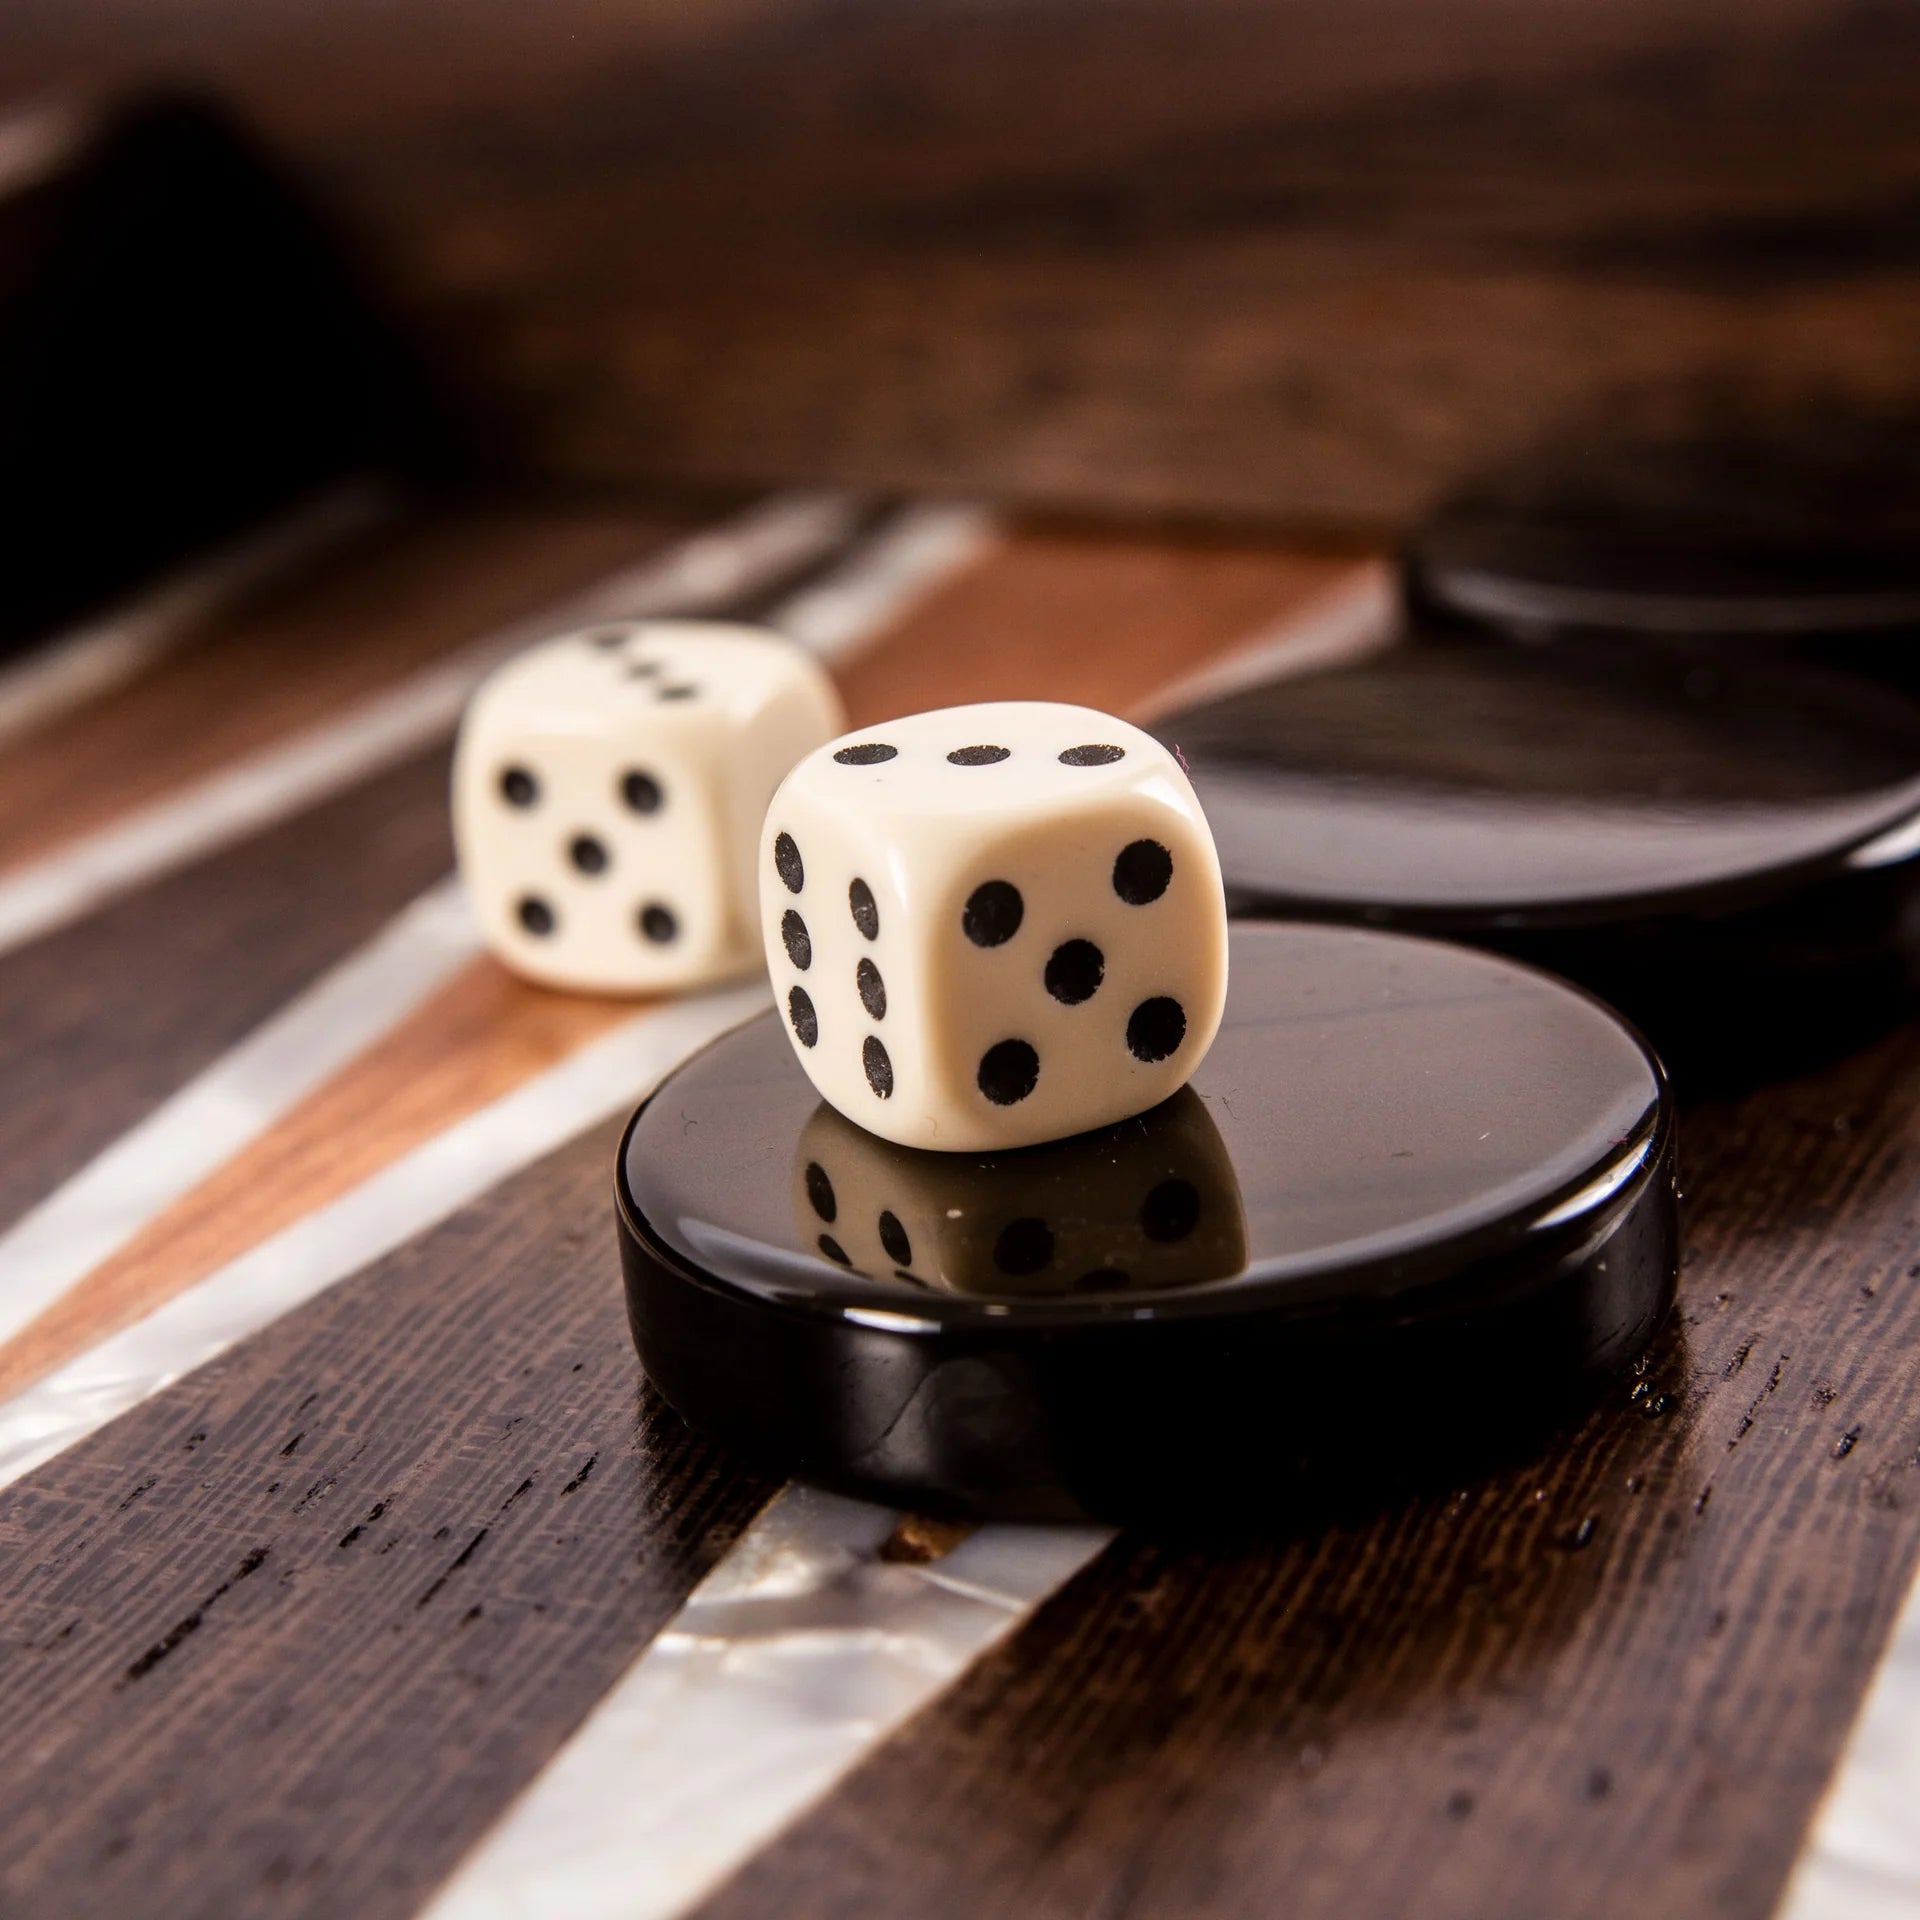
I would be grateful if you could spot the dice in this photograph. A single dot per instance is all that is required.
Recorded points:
(608, 788)
(1151, 1205)
(989, 926)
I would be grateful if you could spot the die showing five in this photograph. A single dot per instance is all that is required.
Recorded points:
(609, 788)
(1034, 934)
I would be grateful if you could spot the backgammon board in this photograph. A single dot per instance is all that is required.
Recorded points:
(352, 1566)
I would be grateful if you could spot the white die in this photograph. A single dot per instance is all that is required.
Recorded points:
(1152, 1205)
(993, 925)
(608, 788)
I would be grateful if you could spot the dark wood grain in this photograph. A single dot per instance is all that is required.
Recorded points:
(107, 1017)
(1315, 259)
(241, 1668)
(286, 1638)
(1612, 1684)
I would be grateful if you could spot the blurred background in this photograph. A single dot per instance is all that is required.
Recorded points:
(1311, 264)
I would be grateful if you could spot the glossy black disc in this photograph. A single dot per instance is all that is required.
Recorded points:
(1415, 1203)
(1730, 852)
(1805, 539)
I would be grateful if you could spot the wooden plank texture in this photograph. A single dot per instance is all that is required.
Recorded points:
(1087, 617)
(240, 1663)
(1317, 259)
(108, 1016)
(370, 1569)
(482, 1035)
(1610, 1684)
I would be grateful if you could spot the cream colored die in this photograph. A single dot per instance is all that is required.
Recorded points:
(994, 925)
(608, 788)
(1151, 1205)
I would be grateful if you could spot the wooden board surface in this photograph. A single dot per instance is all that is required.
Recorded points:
(478, 1037)
(291, 1635)
(364, 1575)
(1319, 259)
(108, 1016)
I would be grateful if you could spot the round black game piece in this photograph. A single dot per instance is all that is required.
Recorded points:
(1729, 852)
(1805, 537)
(1414, 1207)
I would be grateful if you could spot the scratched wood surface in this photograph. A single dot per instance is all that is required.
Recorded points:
(363, 1575)
(482, 1034)
(1318, 259)
(290, 1635)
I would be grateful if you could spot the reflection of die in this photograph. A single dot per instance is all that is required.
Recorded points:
(993, 925)
(1151, 1203)
(607, 793)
